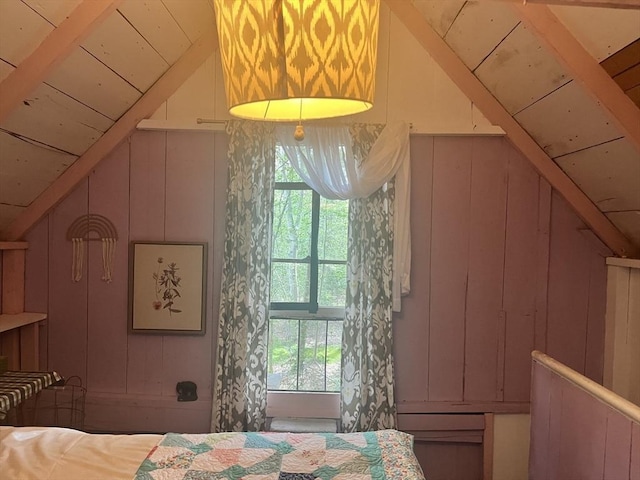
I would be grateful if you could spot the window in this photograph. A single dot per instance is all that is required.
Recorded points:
(308, 285)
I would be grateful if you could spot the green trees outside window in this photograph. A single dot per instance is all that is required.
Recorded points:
(308, 274)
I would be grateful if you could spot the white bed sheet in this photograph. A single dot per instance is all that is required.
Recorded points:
(34, 453)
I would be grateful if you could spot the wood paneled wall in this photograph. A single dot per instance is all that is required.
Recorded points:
(499, 267)
(156, 186)
(622, 335)
(580, 430)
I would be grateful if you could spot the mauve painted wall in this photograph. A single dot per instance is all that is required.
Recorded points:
(499, 267)
(156, 186)
(576, 435)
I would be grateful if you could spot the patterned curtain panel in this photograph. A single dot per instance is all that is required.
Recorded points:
(367, 401)
(240, 383)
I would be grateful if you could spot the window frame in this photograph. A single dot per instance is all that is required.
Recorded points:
(306, 403)
(312, 306)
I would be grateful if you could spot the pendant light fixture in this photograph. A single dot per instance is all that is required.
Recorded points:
(295, 60)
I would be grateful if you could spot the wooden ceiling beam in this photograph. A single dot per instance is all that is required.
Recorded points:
(55, 48)
(436, 47)
(583, 68)
(164, 87)
(628, 4)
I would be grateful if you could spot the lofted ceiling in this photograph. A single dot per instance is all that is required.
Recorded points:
(521, 57)
(562, 81)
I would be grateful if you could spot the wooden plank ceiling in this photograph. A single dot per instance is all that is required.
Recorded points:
(123, 55)
(624, 68)
(555, 106)
(90, 89)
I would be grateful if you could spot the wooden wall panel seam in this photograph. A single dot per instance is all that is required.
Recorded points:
(188, 163)
(432, 153)
(545, 192)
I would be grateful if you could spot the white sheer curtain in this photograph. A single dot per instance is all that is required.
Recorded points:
(325, 161)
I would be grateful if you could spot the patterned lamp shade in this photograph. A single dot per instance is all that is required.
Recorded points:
(288, 60)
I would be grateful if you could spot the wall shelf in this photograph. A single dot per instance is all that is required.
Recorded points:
(16, 320)
(623, 262)
(13, 245)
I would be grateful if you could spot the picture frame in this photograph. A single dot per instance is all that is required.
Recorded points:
(167, 288)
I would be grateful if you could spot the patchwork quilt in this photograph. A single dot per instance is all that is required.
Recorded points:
(386, 454)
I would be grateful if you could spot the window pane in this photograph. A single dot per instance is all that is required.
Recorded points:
(318, 343)
(334, 349)
(284, 170)
(332, 285)
(289, 282)
(304, 354)
(333, 229)
(313, 339)
(283, 355)
(292, 224)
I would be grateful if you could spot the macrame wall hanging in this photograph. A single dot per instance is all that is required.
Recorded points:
(92, 228)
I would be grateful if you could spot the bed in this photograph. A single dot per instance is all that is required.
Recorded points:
(60, 453)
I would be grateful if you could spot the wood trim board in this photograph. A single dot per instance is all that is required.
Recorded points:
(15, 320)
(487, 447)
(14, 245)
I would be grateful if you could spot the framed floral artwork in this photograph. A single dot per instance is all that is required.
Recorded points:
(167, 285)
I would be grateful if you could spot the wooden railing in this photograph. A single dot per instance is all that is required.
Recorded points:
(579, 429)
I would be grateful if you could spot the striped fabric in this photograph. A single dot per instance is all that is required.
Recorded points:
(16, 387)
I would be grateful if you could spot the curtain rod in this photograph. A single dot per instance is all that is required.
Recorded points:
(309, 122)
(209, 124)
(200, 121)
(183, 125)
